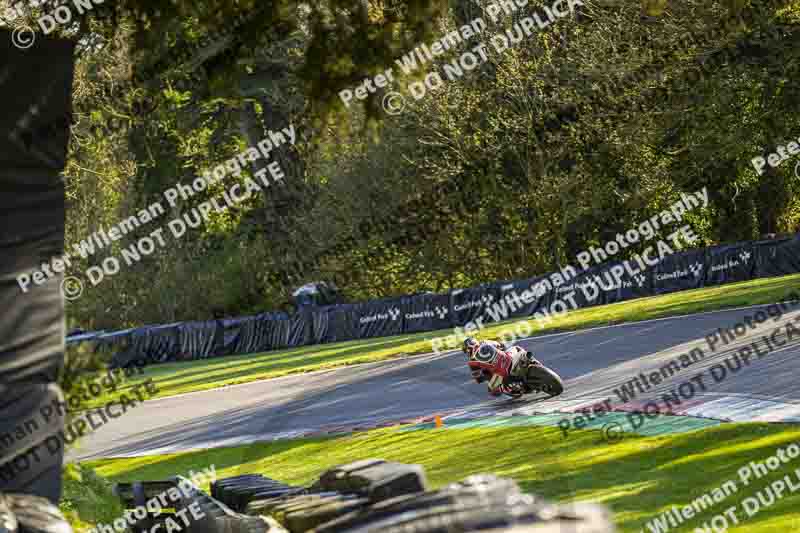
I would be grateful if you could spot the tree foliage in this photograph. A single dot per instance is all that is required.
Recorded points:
(578, 132)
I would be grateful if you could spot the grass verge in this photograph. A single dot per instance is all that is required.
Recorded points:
(87, 498)
(191, 376)
(637, 478)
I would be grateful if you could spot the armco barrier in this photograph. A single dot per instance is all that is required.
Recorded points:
(371, 495)
(704, 267)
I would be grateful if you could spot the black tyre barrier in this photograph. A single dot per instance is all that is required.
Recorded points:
(237, 492)
(374, 495)
(218, 517)
(292, 506)
(264, 506)
(316, 515)
(330, 478)
(478, 493)
(127, 492)
(375, 479)
(25, 513)
(478, 503)
(217, 485)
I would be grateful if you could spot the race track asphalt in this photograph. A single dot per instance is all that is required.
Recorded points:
(592, 363)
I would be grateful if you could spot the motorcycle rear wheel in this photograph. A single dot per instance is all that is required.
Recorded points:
(542, 378)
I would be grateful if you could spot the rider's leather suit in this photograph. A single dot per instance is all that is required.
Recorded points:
(501, 364)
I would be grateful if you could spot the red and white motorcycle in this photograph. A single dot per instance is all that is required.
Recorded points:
(537, 378)
(530, 375)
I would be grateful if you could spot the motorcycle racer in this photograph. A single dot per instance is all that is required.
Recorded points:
(495, 362)
(471, 347)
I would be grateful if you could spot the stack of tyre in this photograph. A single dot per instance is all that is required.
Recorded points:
(379, 496)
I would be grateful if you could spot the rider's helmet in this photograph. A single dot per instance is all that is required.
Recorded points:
(470, 345)
(487, 354)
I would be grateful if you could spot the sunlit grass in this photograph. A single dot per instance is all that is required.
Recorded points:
(638, 478)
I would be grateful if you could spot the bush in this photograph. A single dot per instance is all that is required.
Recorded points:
(88, 498)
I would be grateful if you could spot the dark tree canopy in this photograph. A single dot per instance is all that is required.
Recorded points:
(555, 144)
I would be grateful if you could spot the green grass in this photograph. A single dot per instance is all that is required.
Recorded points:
(176, 378)
(637, 478)
(87, 498)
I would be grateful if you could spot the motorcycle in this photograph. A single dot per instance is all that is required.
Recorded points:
(537, 378)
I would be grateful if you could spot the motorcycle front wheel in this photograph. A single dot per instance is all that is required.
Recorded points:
(544, 379)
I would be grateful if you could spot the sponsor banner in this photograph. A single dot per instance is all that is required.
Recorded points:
(321, 325)
(241, 336)
(617, 282)
(343, 322)
(539, 288)
(585, 289)
(727, 264)
(777, 258)
(516, 299)
(426, 312)
(380, 318)
(523, 297)
(277, 332)
(301, 328)
(680, 272)
(657, 271)
(468, 304)
(197, 338)
(552, 288)
(495, 310)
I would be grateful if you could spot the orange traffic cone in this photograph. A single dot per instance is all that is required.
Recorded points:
(438, 420)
